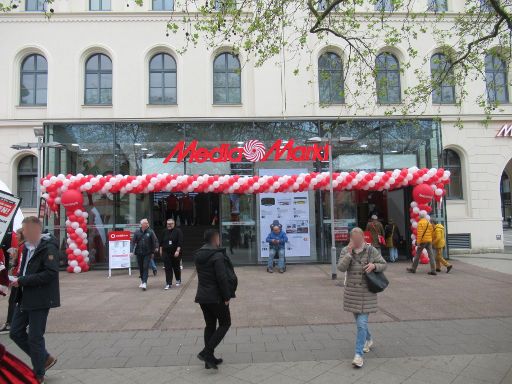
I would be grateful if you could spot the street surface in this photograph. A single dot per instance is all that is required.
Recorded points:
(452, 328)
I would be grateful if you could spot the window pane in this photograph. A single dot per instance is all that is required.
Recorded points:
(323, 89)
(233, 80)
(41, 96)
(169, 62)
(168, 5)
(219, 95)
(105, 96)
(155, 79)
(94, 5)
(233, 62)
(92, 63)
(234, 95)
(91, 80)
(170, 79)
(393, 95)
(42, 80)
(219, 80)
(106, 63)
(219, 65)
(106, 81)
(41, 63)
(105, 5)
(170, 95)
(448, 96)
(29, 63)
(27, 96)
(91, 96)
(27, 81)
(156, 62)
(155, 95)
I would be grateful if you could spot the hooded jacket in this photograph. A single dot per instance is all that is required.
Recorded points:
(281, 237)
(425, 231)
(439, 240)
(217, 281)
(39, 276)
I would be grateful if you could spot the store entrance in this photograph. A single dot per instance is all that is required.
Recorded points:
(356, 208)
(193, 213)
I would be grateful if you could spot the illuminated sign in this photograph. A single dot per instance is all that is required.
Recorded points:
(252, 150)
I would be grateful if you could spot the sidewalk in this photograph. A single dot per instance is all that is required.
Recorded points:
(500, 262)
(450, 328)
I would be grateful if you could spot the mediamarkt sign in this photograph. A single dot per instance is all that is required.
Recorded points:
(252, 150)
(505, 131)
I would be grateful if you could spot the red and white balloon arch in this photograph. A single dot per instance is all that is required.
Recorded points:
(67, 190)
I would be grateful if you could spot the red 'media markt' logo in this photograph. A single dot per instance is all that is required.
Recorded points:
(252, 150)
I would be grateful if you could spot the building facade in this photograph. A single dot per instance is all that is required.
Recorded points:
(105, 83)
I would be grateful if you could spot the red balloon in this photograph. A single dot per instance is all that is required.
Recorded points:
(72, 199)
(70, 269)
(69, 251)
(423, 194)
(425, 207)
(85, 268)
(83, 247)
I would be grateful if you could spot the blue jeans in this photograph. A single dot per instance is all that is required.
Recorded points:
(393, 254)
(272, 254)
(152, 264)
(363, 333)
(31, 342)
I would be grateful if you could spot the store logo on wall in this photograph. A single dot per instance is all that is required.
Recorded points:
(252, 150)
(505, 131)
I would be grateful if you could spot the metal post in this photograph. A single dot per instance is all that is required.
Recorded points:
(331, 197)
(39, 172)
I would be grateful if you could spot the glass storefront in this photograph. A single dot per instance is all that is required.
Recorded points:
(137, 148)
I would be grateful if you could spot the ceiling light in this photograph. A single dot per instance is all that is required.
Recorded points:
(364, 145)
(84, 149)
(137, 144)
(143, 149)
(240, 142)
(75, 145)
(394, 151)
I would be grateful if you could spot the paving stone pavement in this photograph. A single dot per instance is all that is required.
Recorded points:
(448, 369)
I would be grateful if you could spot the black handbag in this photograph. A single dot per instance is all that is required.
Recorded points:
(377, 281)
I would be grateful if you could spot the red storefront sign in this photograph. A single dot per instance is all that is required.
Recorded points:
(252, 150)
(119, 235)
(505, 131)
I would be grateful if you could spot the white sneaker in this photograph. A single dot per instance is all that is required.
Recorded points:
(358, 361)
(144, 286)
(141, 284)
(368, 344)
(178, 283)
(181, 267)
(167, 287)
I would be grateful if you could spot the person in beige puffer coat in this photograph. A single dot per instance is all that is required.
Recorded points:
(356, 259)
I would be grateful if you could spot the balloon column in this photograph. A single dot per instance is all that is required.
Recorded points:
(422, 195)
(76, 229)
(67, 190)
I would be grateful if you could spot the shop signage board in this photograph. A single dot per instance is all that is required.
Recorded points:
(8, 206)
(252, 150)
(505, 131)
(119, 251)
(291, 210)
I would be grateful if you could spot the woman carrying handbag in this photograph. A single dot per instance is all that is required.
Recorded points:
(357, 259)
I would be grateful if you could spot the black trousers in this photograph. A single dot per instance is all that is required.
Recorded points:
(172, 264)
(12, 304)
(143, 262)
(32, 343)
(213, 335)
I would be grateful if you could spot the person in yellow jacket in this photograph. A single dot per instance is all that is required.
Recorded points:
(424, 236)
(439, 242)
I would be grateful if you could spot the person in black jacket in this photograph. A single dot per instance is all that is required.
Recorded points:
(217, 283)
(170, 249)
(38, 291)
(144, 246)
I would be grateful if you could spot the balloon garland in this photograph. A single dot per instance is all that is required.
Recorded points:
(55, 190)
(420, 206)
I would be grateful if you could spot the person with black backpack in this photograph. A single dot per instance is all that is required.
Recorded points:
(217, 283)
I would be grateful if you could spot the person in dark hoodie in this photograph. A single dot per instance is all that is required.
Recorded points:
(38, 291)
(217, 283)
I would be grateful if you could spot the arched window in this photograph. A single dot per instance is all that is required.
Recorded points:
(496, 79)
(226, 79)
(162, 79)
(442, 77)
(388, 79)
(330, 79)
(98, 80)
(451, 162)
(27, 181)
(33, 80)
(437, 5)
(384, 5)
(225, 5)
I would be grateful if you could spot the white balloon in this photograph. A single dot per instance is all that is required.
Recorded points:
(46, 183)
(415, 225)
(72, 246)
(75, 225)
(438, 192)
(77, 269)
(416, 210)
(85, 253)
(77, 252)
(79, 231)
(73, 263)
